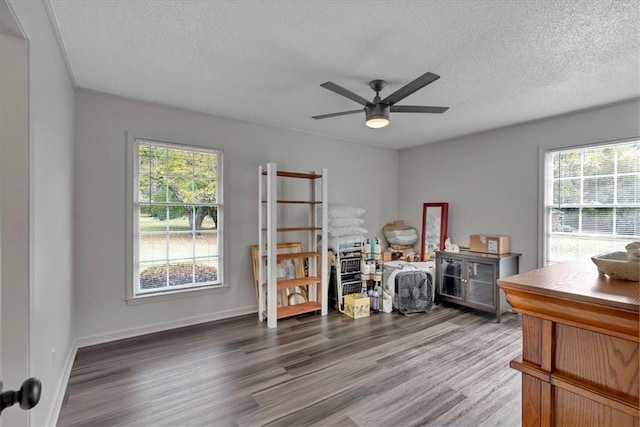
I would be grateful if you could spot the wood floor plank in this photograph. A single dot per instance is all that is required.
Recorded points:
(447, 367)
(327, 411)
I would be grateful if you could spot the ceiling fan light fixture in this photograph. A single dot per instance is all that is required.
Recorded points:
(377, 122)
(377, 116)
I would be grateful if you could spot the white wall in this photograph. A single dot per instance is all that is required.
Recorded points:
(51, 128)
(358, 175)
(491, 180)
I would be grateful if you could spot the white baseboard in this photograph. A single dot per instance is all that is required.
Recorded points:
(60, 390)
(163, 326)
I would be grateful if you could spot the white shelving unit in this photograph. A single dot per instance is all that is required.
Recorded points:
(269, 230)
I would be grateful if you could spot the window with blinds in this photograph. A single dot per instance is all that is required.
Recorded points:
(592, 200)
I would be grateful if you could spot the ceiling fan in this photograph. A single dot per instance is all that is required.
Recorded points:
(377, 111)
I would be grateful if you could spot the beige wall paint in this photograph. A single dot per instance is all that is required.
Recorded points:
(491, 180)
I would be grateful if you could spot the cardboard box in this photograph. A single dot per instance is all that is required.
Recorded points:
(489, 243)
(356, 305)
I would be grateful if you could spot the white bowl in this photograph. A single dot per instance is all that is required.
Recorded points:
(617, 266)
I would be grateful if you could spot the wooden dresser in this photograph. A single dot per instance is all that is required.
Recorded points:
(580, 356)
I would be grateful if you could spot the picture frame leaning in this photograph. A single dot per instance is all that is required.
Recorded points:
(287, 269)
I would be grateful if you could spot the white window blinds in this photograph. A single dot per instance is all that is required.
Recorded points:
(592, 200)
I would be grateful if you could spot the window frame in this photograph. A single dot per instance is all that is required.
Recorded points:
(132, 229)
(545, 192)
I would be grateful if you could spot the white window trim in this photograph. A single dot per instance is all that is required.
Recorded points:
(131, 298)
(542, 182)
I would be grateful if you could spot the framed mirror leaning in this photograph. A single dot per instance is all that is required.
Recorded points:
(435, 220)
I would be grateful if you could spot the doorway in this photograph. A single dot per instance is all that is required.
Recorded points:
(14, 209)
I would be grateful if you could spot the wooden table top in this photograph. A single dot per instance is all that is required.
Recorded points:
(578, 280)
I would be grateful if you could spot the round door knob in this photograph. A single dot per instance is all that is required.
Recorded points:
(29, 393)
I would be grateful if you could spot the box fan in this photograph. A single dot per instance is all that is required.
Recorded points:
(413, 292)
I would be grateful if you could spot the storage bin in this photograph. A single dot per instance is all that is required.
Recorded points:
(356, 306)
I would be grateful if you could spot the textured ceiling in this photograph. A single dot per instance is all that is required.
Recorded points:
(500, 62)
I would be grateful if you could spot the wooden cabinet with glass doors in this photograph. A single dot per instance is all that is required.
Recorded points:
(469, 279)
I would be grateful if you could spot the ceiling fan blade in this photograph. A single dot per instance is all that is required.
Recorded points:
(410, 87)
(345, 92)
(417, 109)
(342, 113)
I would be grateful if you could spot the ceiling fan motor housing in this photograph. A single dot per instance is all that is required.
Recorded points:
(375, 111)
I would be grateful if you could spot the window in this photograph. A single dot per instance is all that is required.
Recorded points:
(592, 200)
(177, 218)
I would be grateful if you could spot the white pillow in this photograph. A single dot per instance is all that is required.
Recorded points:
(336, 211)
(347, 232)
(402, 237)
(409, 232)
(345, 222)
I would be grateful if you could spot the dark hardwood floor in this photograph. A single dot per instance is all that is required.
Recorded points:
(447, 367)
